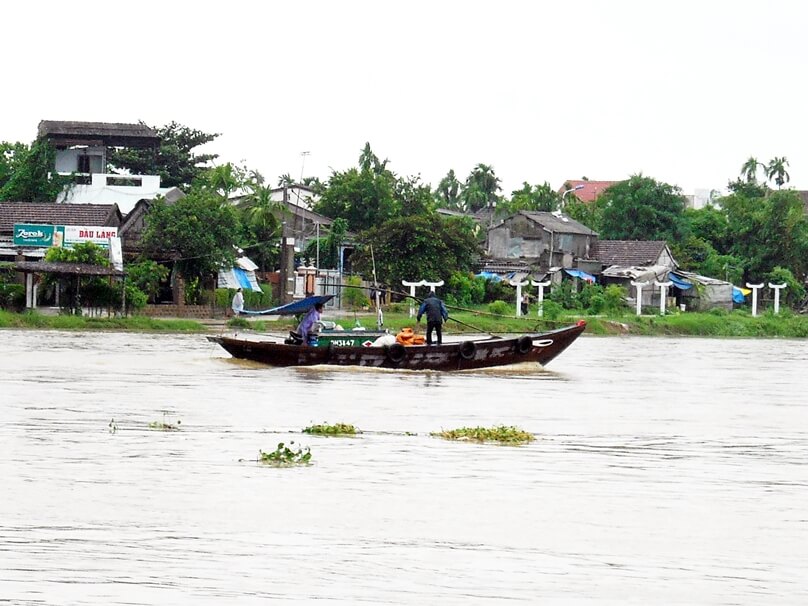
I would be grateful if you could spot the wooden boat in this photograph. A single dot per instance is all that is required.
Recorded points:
(462, 355)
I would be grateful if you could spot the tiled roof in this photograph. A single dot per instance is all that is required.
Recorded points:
(560, 224)
(628, 253)
(106, 215)
(589, 191)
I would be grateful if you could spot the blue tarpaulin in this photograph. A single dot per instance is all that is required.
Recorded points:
(291, 309)
(737, 295)
(577, 273)
(489, 276)
(679, 281)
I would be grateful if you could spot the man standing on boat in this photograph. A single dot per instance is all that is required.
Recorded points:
(436, 315)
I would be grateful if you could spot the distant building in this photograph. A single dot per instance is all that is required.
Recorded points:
(540, 238)
(589, 190)
(81, 152)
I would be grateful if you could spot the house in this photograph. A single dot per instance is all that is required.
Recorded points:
(540, 239)
(49, 216)
(584, 190)
(29, 229)
(81, 152)
(700, 293)
(627, 261)
(81, 147)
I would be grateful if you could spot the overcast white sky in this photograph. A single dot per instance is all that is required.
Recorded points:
(683, 91)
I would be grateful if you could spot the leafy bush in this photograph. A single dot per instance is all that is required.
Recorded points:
(354, 297)
(147, 276)
(12, 296)
(794, 292)
(614, 297)
(552, 310)
(465, 289)
(252, 299)
(499, 308)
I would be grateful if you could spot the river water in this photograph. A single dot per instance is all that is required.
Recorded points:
(665, 471)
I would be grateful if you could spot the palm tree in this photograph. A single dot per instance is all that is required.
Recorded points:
(286, 180)
(776, 170)
(481, 188)
(750, 168)
(448, 191)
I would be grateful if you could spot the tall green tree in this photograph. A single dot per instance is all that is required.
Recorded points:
(531, 197)
(447, 193)
(261, 223)
(175, 160)
(643, 209)
(749, 169)
(776, 170)
(765, 232)
(481, 188)
(198, 232)
(413, 197)
(417, 247)
(27, 173)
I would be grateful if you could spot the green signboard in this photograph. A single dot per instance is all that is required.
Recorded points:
(32, 234)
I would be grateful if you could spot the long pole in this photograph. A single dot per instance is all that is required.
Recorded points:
(379, 318)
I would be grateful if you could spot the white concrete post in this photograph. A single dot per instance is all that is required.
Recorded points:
(432, 285)
(519, 286)
(541, 286)
(755, 288)
(639, 286)
(412, 286)
(663, 287)
(777, 288)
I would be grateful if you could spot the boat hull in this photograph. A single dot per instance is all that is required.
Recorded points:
(465, 355)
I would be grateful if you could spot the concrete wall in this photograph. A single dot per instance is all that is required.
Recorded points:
(67, 159)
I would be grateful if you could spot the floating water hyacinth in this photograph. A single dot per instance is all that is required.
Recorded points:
(284, 456)
(501, 433)
(339, 429)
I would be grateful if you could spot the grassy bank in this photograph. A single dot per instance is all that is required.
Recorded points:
(738, 323)
(66, 322)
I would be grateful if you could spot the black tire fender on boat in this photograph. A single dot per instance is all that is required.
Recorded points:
(396, 352)
(524, 345)
(467, 350)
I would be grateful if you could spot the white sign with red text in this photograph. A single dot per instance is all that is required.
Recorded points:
(76, 234)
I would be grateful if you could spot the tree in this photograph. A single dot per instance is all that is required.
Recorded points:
(749, 169)
(765, 232)
(531, 197)
(776, 169)
(27, 173)
(174, 160)
(198, 232)
(447, 193)
(417, 247)
(260, 223)
(481, 188)
(84, 291)
(413, 197)
(286, 180)
(643, 209)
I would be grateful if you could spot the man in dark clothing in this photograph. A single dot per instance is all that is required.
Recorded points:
(436, 314)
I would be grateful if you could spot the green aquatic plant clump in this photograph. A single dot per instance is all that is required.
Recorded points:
(502, 433)
(165, 425)
(338, 429)
(284, 456)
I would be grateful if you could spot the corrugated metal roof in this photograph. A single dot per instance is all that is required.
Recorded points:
(558, 223)
(48, 128)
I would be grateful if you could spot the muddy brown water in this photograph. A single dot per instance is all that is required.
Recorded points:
(665, 471)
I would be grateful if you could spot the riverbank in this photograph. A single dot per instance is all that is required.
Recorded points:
(713, 324)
